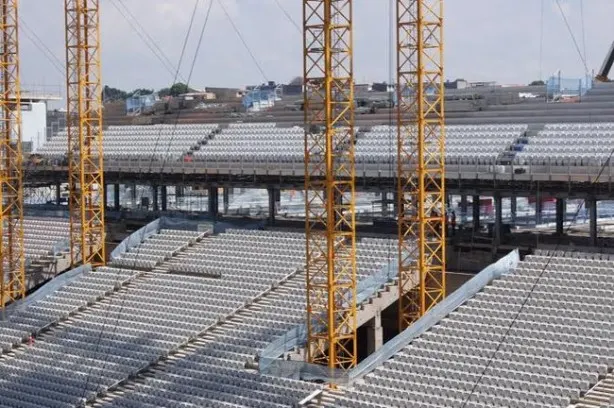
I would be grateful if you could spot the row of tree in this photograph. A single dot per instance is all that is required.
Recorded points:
(115, 94)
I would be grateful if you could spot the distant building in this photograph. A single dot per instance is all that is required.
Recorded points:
(226, 93)
(456, 84)
(34, 119)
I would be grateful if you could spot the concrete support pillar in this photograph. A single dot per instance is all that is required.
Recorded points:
(498, 227)
(164, 198)
(213, 202)
(58, 194)
(226, 198)
(592, 208)
(116, 197)
(375, 333)
(134, 203)
(514, 208)
(179, 192)
(476, 212)
(154, 193)
(274, 203)
(463, 208)
(560, 215)
(384, 195)
(538, 208)
(105, 194)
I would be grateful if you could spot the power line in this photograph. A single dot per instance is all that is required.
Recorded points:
(533, 287)
(102, 330)
(40, 44)
(138, 28)
(541, 42)
(573, 37)
(288, 16)
(583, 33)
(236, 29)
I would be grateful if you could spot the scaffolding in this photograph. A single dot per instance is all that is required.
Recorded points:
(329, 183)
(12, 257)
(420, 158)
(84, 125)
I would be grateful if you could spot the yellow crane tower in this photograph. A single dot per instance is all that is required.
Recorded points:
(329, 183)
(420, 158)
(84, 125)
(12, 258)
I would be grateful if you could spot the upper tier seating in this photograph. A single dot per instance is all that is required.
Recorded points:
(536, 338)
(574, 144)
(255, 142)
(465, 144)
(157, 142)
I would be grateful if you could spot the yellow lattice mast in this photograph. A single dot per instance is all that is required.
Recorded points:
(420, 155)
(329, 183)
(84, 125)
(11, 180)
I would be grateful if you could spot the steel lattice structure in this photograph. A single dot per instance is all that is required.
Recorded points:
(12, 258)
(84, 125)
(329, 183)
(420, 157)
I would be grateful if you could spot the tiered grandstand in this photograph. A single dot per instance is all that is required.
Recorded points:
(46, 248)
(176, 326)
(181, 318)
(189, 330)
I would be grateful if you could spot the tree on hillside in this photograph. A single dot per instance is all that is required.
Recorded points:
(113, 94)
(179, 88)
(537, 83)
(143, 91)
(297, 81)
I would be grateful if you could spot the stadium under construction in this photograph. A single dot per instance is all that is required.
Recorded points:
(441, 248)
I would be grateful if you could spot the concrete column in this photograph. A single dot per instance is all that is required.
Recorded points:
(58, 194)
(105, 194)
(164, 198)
(395, 203)
(592, 207)
(513, 208)
(463, 208)
(116, 197)
(134, 203)
(154, 193)
(498, 228)
(560, 215)
(375, 333)
(476, 212)
(213, 202)
(538, 208)
(226, 198)
(178, 192)
(274, 201)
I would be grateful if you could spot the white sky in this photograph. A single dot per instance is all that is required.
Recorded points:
(485, 40)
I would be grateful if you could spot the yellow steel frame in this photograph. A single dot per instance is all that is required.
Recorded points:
(12, 258)
(84, 119)
(329, 183)
(420, 158)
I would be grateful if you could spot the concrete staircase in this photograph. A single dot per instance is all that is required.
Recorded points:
(600, 396)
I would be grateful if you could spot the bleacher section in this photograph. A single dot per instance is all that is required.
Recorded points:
(46, 248)
(191, 333)
(471, 144)
(573, 144)
(255, 142)
(158, 142)
(537, 338)
(262, 148)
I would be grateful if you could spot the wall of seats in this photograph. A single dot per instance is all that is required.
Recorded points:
(573, 144)
(142, 314)
(157, 142)
(518, 340)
